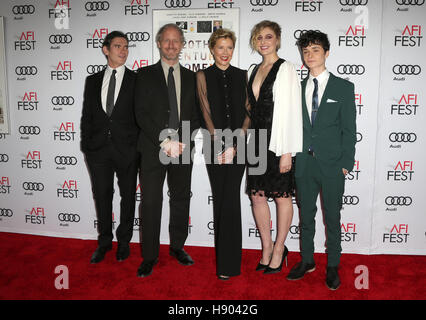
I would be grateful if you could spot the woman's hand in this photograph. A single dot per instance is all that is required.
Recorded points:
(285, 163)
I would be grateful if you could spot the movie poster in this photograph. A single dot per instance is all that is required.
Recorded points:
(197, 25)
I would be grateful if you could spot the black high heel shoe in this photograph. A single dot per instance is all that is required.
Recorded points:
(270, 270)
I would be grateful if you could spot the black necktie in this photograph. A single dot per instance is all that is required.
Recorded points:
(314, 102)
(110, 94)
(173, 117)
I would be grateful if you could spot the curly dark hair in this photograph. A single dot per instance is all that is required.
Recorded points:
(313, 37)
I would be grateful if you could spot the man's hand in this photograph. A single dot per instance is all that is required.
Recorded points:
(226, 156)
(345, 172)
(173, 148)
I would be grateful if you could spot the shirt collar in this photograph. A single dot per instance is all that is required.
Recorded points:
(166, 66)
(120, 70)
(321, 77)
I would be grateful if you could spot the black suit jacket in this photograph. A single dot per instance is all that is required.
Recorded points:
(97, 129)
(152, 108)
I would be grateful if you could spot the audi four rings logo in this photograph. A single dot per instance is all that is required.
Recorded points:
(33, 186)
(60, 38)
(407, 69)
(177, 3)
(398, 201)
(297, 33)
(6, 212)
(352, 200)
(23, 9)
(352, 69)
(263, 2)
(68, 217)
(353, 2)
(26, 70)
(62, 100)
(402, 137)
(4, 157)
(97, 5)
(137, 36)
(29, 130)
(66, 160)
(410, 2)
(93, 68)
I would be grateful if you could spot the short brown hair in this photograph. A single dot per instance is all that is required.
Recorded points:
(275, 27)
(221, 34)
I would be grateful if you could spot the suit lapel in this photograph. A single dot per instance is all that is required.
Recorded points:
(183, 92)
(124, 85)
(306, 119)
(328, 88)
(98, 90)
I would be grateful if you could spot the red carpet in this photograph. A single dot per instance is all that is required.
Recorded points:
(29, 262)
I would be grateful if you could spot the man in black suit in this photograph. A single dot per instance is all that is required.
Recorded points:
(108, 139)
(165, 101)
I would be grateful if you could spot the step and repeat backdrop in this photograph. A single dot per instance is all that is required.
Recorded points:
(51, 46)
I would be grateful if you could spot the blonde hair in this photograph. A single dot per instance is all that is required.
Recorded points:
(275, 27)
(221, 34)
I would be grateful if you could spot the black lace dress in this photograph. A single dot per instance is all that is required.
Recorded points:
(272, 183)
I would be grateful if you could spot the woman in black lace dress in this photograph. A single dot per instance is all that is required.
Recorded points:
(275, 100)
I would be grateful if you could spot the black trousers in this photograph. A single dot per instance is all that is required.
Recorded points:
(152, 181)
(102, 165)
(225, 181)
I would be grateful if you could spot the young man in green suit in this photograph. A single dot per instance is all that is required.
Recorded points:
(329, 136)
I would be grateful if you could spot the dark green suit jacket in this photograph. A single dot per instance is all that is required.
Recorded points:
(333, 135)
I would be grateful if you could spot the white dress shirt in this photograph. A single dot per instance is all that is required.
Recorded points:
(105, 83)
(322, 83)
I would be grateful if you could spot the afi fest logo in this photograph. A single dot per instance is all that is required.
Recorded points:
(97, 38)
(411, 36)
(139, 63)
(403, 171)
(61, 12)
(36, 216)
(66, 132)
(354, 174)
(359, 102)
(26, 41)
(4, 185)
(32, 160)
(217, 4)
(348, 232)
(28, 102)
(63, 71)
(354, 37)
(136, 7)
(407, 105)
(308, 6)
(397, 234)
(68, 190)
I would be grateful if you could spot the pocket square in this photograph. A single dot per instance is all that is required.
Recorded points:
(330, 100)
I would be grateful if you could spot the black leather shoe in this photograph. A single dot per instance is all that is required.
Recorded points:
(123, 252)
(332, 280)
(270, 270)
(145, 269)
(261, 267)
(182, 257)
(99, 254)
(299, 270)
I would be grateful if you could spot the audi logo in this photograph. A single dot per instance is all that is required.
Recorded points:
(398, 201)
(352, 69)
(66, 160)
(62, 100)
(407, 69)
(294, 229)
(6, 212)
(33, 130)
(94, 68)
(298, 33)
(137, 36)
(402, 137)
(97, 5)
(350, 200)
(4, 157)
(23, 9)
(26, 70)
(68, 217)
(358, 137)
(33, 186)
(263, 2)
(410, 2)
(60, 38)
(177, 3)
(353, 2)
